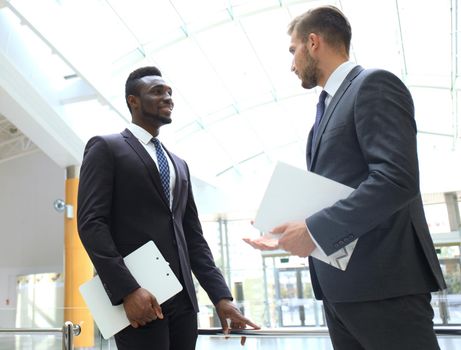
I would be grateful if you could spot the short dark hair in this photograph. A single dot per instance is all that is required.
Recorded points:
(327, 21)
(132, 83)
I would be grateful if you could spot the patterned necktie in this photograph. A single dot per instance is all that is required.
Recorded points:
(163, 168)
(318, 117)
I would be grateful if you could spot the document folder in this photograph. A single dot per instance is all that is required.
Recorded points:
(294, 194)
(150, 269)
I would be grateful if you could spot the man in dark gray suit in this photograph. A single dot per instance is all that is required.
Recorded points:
(124, 201)
(366, 139)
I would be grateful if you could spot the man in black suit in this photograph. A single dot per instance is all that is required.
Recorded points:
(123, 203)
(366, 139)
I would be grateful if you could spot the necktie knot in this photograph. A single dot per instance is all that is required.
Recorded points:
(323, 96)
(321, 106)
(156, 143)
(163, 168)
(320, 111)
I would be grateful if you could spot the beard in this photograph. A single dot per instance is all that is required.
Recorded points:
(155, 117)
(310, 75)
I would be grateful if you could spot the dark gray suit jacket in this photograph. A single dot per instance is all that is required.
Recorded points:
(121, 206)
(367, 140)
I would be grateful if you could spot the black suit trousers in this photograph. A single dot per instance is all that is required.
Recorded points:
(176, 331)
(402, 323)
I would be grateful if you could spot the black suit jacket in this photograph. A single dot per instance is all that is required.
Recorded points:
(121, 206)
(367, 140)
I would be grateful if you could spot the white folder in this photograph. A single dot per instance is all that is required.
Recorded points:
(151, 271)
(294, 194)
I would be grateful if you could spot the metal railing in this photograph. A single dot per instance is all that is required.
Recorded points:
(68, 330)
(306, 331)
(269, 332)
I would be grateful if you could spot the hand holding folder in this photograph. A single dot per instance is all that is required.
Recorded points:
(141, 307)
(152, 272)
(294, 194)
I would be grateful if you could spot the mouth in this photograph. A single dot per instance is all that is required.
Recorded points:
(167, 107)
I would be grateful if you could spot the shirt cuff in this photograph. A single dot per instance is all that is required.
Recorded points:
(313, 239)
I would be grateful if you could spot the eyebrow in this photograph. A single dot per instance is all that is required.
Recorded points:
(158, 84)
(161, 85)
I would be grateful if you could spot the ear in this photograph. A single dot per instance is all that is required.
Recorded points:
(133, 101)
(313, 41)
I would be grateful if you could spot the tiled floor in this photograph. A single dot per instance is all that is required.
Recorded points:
(51, 342)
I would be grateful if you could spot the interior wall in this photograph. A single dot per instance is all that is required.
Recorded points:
(32, 231)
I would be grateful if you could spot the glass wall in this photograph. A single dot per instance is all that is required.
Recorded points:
(272, 288)
(447, 304)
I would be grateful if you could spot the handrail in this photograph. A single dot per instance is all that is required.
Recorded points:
(447, 330)
(268, 332)
(68, 330)
(30, 330)
(304, 331)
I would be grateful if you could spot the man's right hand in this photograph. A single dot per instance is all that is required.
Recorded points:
(141, 307)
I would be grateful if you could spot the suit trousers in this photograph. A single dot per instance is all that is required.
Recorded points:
(400, 323)
(176, 331)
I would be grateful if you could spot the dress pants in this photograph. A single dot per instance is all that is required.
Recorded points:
(402, 323)
(176, 331)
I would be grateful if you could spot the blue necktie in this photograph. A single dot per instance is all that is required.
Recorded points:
(163, 169)
(318, 117)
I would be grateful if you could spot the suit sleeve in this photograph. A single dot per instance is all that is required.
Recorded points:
(201, 258)
(95, 195)
(383, 116)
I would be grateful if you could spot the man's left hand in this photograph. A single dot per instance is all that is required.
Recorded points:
(226, 309)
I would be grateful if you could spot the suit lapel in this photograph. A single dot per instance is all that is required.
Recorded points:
(331, 108)
(147, 160)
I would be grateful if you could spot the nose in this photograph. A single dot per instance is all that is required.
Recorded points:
(168, 99)
(293, 68)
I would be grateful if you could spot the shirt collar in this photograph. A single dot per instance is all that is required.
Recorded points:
(337, 77)
(141, 134)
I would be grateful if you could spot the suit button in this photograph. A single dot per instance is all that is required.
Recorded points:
(351, 236)
(341, 242)
(336, 245)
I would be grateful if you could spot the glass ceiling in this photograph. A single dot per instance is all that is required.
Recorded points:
(238, 108)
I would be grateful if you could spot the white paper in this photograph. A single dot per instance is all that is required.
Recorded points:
(294, 194)
(151, 271)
